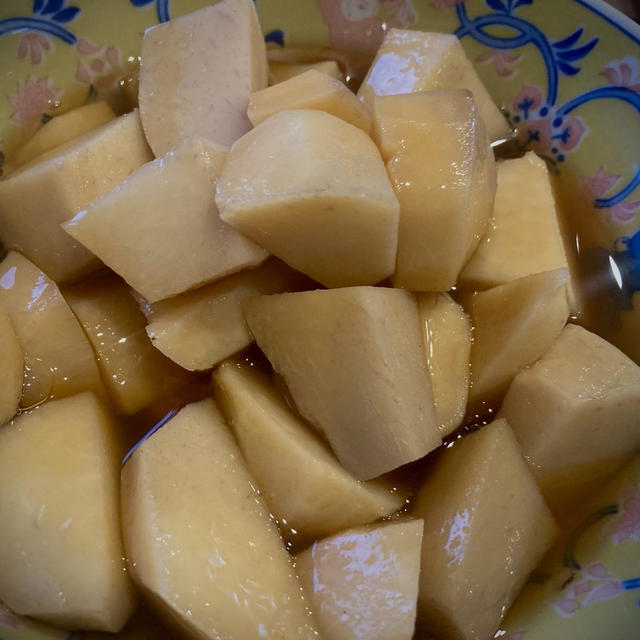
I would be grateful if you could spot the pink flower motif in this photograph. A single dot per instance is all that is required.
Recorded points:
(101, 67)
(624, 212)
(542, 128)
(594, 574)
(597, 570)
(33, 44)
(86, 47)
(447, 4)
(592, 583)
(627, 524)
(502, 61)
(600, 183)
(113, 57)
(582, 587)
(537, 133)
(32, 98)
(571, 133)
(598, 186)
(605, 591)
(82, 74)
(566, 607)
(623, 73)
(528, 99)
(354, 25)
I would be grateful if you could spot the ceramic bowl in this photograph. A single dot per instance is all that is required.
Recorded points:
(567, 75)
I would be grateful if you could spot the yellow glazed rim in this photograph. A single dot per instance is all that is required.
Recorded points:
(566, 72)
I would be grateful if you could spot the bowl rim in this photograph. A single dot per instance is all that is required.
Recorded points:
(614, 17)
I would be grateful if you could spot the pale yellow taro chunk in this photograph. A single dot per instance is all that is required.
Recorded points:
(312, 189)
(576, 415)
(11, 368)
(447, 340)
(197, 72)
(353, 360)
(443, 173)
(303, 483)
(58, 359)
(486, 527)
(160, 230)
(283, 71)
(513, 325)
(363, 583)
(202, 327)
(61, 549)
(200, 539)
(410, 61)
(524, 235)
(134, 373)
(35, 199)
(310, 90)
(64, 128)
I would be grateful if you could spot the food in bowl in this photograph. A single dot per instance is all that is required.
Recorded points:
(300, 455)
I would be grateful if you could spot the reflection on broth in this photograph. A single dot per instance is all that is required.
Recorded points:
(608, 280)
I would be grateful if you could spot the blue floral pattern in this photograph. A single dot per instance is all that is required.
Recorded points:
(162, 7)
(56, 10)
(560, 57)
(48, 17)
